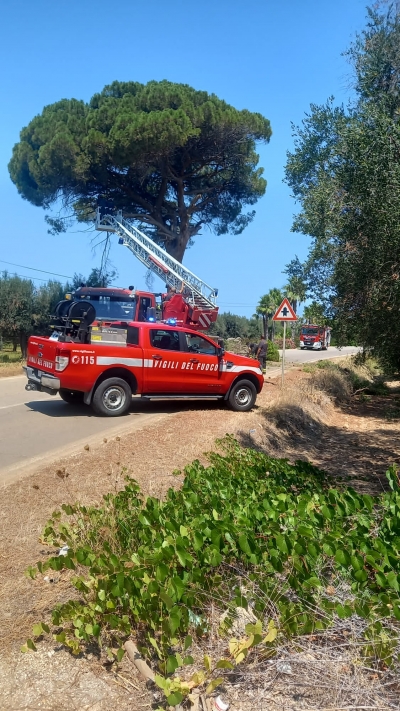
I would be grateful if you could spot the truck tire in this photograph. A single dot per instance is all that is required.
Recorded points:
(242, 396)
(112, 398)
(72, 397)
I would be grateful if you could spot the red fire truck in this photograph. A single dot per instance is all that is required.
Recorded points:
(189, 300)
(105, 366)
(115, 304)
(315, 338)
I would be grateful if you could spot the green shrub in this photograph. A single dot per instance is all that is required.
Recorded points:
(246, 522)
(10, 357)
(273, 352)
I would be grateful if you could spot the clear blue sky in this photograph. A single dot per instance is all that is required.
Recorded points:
(271, 56)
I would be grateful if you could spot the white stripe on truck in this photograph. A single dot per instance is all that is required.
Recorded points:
(115, 360)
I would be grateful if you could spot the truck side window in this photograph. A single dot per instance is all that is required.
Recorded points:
(198, 344)
(167, 340)
(133, 335)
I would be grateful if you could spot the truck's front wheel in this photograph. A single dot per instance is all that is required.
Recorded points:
(112, 398)
(242, 396)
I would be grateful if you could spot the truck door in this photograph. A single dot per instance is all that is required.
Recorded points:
(164, 361)
(201, 374)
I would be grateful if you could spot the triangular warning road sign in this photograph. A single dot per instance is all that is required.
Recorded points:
(284, 312)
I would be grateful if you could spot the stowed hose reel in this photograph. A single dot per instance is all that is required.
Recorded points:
(72, 320)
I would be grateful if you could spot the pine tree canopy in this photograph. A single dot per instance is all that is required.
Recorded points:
(172, 158)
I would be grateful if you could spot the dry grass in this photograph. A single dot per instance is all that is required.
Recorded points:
(300, 407)
(334, 383)
(10, 369)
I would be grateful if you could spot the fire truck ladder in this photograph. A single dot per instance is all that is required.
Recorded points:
(197, 292)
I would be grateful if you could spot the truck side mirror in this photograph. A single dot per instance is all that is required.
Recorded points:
(220, 351)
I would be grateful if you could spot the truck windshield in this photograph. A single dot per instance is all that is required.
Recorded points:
(309, 331)
(113, 310)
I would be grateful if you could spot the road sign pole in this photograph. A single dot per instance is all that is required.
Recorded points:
(284, 313)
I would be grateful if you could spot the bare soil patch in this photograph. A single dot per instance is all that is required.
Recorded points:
(357, 438)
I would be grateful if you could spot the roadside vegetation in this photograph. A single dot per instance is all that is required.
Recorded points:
(252, 564)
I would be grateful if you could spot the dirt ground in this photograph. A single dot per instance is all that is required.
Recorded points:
(361, 439)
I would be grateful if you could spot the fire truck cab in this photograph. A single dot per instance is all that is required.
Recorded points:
(113, 304)
(315, 338)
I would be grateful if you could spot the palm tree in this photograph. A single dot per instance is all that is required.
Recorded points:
(266, 308)
(262, 310)
(295, 292)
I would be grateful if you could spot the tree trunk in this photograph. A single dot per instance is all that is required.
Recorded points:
(23, 342)
(15, 343)
(176, 247)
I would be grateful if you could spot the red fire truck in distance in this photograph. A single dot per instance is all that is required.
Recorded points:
(315, 338)
(105, 366)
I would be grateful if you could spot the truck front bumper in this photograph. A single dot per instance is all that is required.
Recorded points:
(41, 381)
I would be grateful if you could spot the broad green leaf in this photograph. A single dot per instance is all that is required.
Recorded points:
(281, 543)
(361, 576)
(393, 580)
(224, 664)
(254, 628)
(161, 572)
(198, 541)
(181, 555)
(342, 557)
(167, 600)
(207, 662)
(120, 654)
(175, 698)
(160, 681)
(305, 531)
(271, 636)
(213, 685)
(29, 645)
(172, 664)
(244, 544)
(188, 642)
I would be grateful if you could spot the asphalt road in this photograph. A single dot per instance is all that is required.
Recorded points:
(302, 356)
(35, 428)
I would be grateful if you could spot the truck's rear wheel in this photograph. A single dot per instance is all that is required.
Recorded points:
(242, 396)
(112, 398)
(72, 397)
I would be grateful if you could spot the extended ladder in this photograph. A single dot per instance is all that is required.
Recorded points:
(196, 291)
